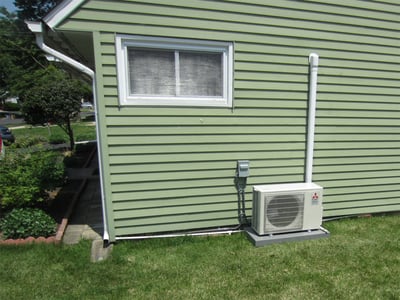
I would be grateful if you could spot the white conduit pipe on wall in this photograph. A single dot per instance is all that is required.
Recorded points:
(37, 29)
(183, 234)
(312, 105)
(312, 99)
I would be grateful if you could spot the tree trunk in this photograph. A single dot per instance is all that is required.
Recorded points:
(70, 133)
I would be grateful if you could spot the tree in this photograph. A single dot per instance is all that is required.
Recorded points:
(42, 89)
(19, 57)
(55, 98)
(34, 10)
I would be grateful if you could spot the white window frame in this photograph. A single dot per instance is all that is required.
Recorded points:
(123, 42)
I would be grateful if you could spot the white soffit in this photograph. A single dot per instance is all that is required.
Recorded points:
(61, 11)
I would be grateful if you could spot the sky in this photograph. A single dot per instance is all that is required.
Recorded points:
(9, 4)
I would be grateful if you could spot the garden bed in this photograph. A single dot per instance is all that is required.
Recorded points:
(60, 210)
(63, 200)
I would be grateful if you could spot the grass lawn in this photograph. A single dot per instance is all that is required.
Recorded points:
(361, 260)
(83, 131)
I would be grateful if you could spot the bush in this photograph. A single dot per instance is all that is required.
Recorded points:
(29, 141)
(9, 106)
(25, 222)
(27, 175)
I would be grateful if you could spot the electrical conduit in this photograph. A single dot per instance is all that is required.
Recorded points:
(36, 28)
(312, 104)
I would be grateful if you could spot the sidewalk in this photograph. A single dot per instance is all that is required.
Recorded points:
(86, 221)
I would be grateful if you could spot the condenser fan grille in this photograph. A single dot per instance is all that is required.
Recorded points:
(283, 212)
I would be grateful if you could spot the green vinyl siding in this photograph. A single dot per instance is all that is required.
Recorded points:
(172, 168)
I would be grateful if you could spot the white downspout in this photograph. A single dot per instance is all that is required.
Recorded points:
(312, 104)
(37, 29)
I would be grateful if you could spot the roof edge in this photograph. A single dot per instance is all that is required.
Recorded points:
(61, 12)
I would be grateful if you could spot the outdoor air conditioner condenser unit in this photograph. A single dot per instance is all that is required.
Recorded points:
(284, 208)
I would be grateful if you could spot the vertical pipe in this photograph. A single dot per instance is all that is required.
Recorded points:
(37, 29)
(312, 103)
(106, 235)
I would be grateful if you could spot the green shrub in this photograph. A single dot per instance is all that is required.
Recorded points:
(26, 141)
(9, 106)
(25, 222)
(27, 175)
(48, 169)
(7, 143)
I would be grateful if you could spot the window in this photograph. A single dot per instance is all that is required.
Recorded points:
(160, 71)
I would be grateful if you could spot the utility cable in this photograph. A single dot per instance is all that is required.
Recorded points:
(241, 186)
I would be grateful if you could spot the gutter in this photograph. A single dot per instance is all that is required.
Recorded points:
(37, 29)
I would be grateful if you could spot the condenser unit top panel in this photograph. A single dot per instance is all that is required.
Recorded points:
(287, 187)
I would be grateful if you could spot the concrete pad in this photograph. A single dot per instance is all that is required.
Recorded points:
(90, 234)
(85, 220)
(263, 240)
(73, 234)
(100, 251)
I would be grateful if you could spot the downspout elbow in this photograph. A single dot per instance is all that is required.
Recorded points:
(37, 29)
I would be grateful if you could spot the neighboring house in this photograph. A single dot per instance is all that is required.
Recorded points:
(12, 100)
(184, 89)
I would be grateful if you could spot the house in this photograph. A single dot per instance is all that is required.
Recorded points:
(185, 89)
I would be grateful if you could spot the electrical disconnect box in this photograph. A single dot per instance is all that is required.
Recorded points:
(243, 168)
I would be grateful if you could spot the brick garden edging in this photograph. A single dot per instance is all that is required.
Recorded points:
(30, 240)
(57, 238)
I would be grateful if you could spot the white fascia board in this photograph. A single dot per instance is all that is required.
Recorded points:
(61, 11)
